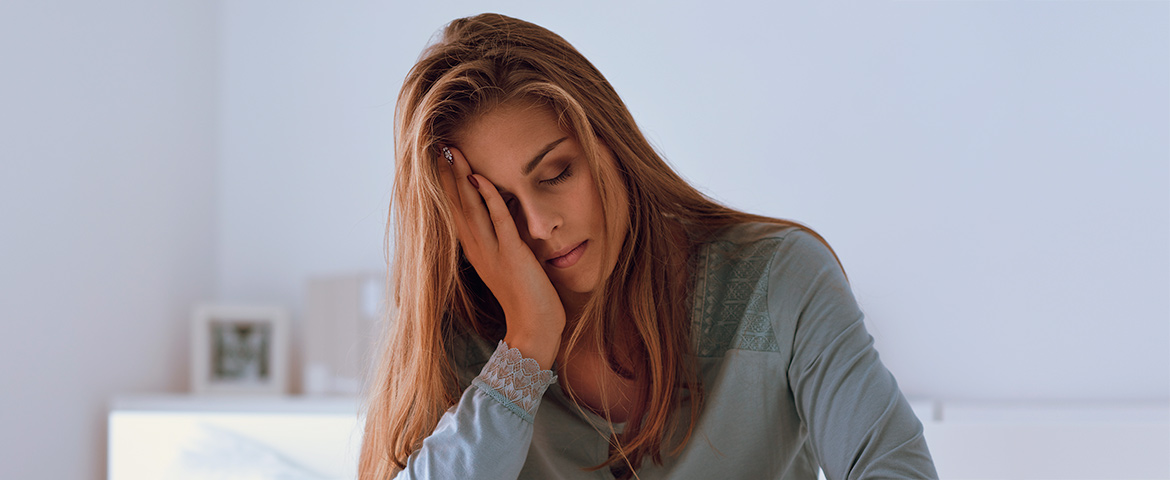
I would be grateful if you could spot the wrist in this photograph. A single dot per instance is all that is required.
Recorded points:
(539, 346)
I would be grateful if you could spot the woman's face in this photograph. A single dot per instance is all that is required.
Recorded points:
(542, 173)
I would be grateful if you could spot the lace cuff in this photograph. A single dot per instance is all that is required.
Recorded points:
(514, 381)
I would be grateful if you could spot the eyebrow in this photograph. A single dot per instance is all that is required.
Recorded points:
(532, 164)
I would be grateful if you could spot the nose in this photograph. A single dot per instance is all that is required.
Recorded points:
(539, 219)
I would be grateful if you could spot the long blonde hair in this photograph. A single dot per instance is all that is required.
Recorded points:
(478, 63)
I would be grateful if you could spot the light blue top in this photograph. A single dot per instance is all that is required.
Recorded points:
(791, 377)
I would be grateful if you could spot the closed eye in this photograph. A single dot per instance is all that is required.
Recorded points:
(557, 180)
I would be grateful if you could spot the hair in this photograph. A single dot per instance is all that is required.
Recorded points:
(479, 63)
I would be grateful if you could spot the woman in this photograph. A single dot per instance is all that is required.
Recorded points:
(568, 307)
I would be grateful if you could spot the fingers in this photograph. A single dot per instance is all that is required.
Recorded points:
(501, 218)
(447, 178)
(472, 204)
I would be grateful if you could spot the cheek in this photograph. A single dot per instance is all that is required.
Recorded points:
(588, 202)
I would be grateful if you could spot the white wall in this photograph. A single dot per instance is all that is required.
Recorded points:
(994, 175)
(107, 199)
(306, 108)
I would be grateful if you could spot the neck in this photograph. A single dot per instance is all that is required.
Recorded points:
(574, 304)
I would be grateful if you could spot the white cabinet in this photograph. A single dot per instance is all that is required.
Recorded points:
(184, 437)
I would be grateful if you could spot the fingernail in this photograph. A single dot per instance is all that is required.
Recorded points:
(471, 178)
(448, 156)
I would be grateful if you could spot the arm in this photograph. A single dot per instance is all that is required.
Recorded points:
(487, 434)
(859, 423)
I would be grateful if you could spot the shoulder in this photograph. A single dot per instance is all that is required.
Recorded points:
(767, 245)
(740, 274)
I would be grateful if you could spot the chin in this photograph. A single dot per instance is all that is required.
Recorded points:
(577, 286)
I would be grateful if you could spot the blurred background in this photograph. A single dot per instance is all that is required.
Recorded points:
(995, 176)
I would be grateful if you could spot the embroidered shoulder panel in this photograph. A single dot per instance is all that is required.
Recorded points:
(731, 298)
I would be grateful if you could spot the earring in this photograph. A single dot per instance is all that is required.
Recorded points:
(447, 154)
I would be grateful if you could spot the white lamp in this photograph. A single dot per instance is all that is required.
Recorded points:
(341, 315)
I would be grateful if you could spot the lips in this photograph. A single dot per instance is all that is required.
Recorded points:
(569, 258)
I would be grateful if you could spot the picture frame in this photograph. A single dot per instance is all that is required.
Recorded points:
(239, 349)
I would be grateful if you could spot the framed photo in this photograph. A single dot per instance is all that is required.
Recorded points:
(239, 349)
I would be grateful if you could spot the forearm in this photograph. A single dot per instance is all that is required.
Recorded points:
(487, 434)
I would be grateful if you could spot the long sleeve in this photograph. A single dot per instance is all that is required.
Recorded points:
(859, 423)
(487, 434)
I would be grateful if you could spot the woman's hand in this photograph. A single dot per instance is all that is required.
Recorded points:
(534, 314)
